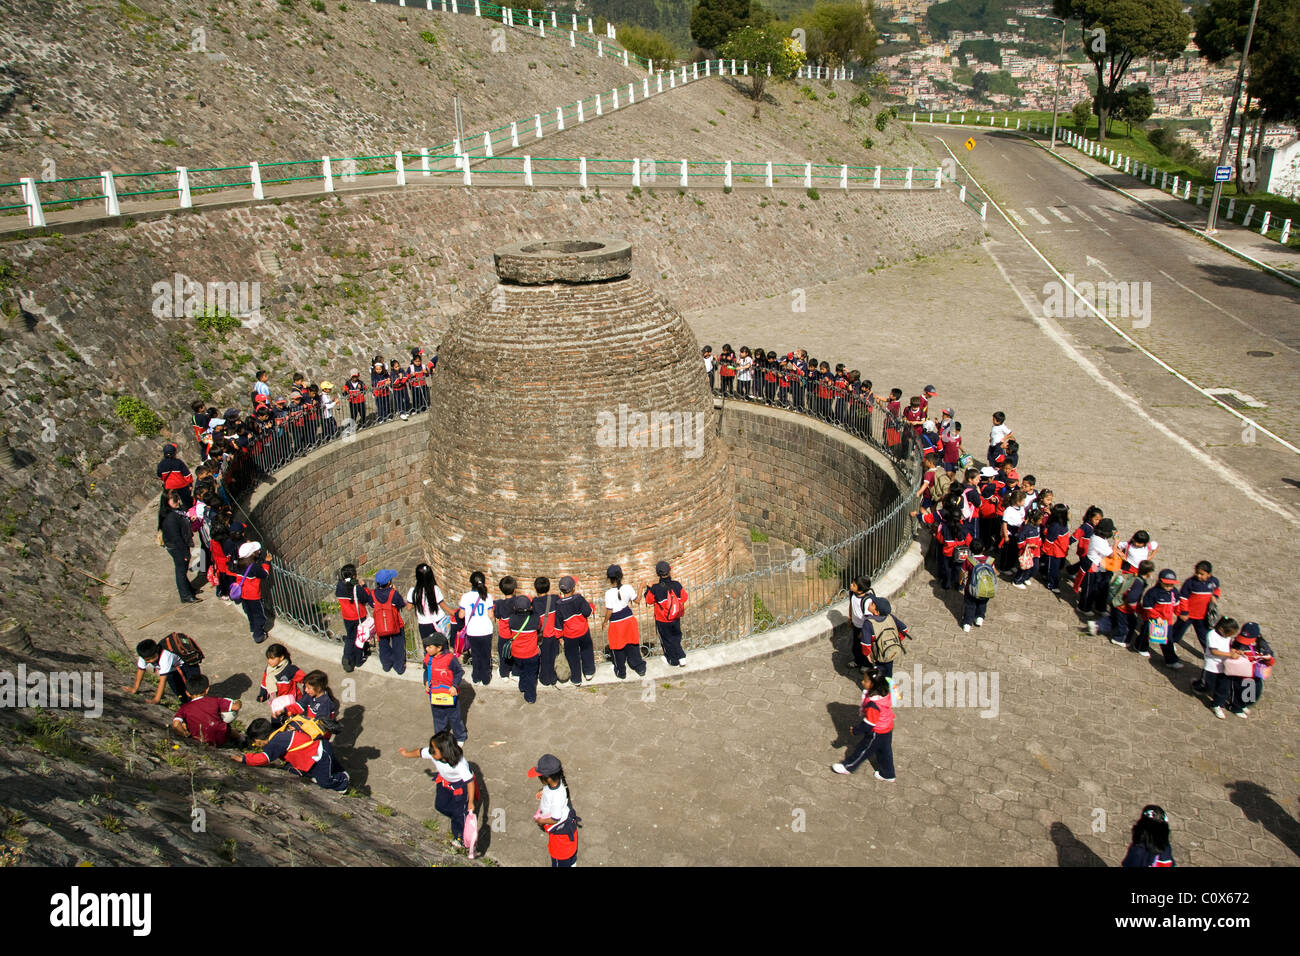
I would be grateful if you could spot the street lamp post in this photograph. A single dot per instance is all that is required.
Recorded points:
(1227, 124)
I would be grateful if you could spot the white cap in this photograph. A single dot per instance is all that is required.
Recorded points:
(250, 548)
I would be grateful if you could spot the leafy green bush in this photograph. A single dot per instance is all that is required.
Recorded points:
(647, 44)
(214, 323)
(882, 120)
(139, 416)
(429, 37)
(814, 194)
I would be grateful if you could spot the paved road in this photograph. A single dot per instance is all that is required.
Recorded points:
(1217, 320)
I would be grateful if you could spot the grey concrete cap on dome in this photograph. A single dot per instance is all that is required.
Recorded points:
(539, 261)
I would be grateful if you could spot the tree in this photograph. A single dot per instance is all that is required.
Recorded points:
(761, 47)
(845, 31)
(650, 44)
(1135, 104)
(712, 21)
(1116, 32)
(1081, 114)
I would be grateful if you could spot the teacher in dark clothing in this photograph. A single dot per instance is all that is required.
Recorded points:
(178, 539)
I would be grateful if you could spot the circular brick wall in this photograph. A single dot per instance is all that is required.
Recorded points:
(572, 427)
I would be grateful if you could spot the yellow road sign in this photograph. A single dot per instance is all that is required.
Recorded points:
(970, 143)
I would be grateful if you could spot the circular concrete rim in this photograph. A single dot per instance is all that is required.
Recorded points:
(576, 260)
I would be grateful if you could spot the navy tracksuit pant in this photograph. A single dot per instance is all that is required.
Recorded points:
(670, 638)
(449, 718)
(882, 745)
(527, 669)
(581, 655)
(480, 647)
(256, 618)
(452, 801)
(550, 647)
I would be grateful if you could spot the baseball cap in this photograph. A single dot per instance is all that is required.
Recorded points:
(169, 449)
(880, 604)
(568, 583)
(614, 571)
(259, 399)
(987, 472)
(327, 386)
(250, 549)
(930, 390)
(356, 372)
(385, 577)
(1168, 574)
(1248, 634)
(436, 639)
(1105, 527)
(520, 603)
(548, 765)
(662, 568)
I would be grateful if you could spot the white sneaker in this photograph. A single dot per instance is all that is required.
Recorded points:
(979, 622)
(1092, 627)
(840, 768)
(1242, 714)
(886, 779)
(1020, 586)
(1218, 712)
(1118, 643)
(1175, 666)
(966, 627)
(1144, 653)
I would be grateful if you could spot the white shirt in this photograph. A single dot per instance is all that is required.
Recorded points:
(708, 363)
(1014, 517)
(435, 613)
(167, 662)
(457, 774)
(555, 802)
(1136, 555)
(327, 402)
(857, 610)
(261, 388)
(1099, 549)
(745, 369)
(1214, 641)
(478, 613)
(997, 433)
(618, 598)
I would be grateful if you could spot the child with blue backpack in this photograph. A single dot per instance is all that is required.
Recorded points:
(981, 577)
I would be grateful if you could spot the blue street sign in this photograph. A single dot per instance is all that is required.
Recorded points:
(1222, 174)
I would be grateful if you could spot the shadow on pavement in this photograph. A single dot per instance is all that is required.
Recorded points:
(1258, 806)
(1070, 851)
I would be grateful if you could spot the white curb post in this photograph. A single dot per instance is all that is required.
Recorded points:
(424, 161)
(659, 82)
(1164, 181)
(465, 161)
(109, 189)
(672, 79)
(708, 68)
(615, 95)
(477, 11)
(575, 20)
(1174, 191)
(581, 118)
(1200, 195)
(573, 39)
(1250, 214)
(636, 173)
(695, 70)
(1263, 229)
(559, 118)
(938, 178)
(645, 88)
(487, 144)
(554, 24)
(768, 179)
(1187, 189)
(400, 168)
(1232, 207)
(600, 48)
(876, 182)
(582, 171)
(650, 67)
(456, 151)
(683, 173)
(182, 186)
(844, 178)
(961, 193)
(327, 173)
(631, 93)
(807, 175)
(984, 212)
(726, 175)
(625, 57)
(598, 108)
(514, 135)
(907, 184)
(733, 67)
(255, 177)
(1286, 231)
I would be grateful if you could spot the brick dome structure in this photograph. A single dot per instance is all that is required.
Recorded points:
(572, 428)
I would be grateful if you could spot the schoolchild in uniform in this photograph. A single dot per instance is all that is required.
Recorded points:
(914, 416)
(306, 756)
(974, 607)
(825, 391)
(990, 516)
(799, 378)
(1096, 578)
(1218, 649)
(1247, 691)
(381, 385)
(544, 609)
(391, 646)
(771, 376)
(1160, 604)
(172, 671)
(442, 679)
(999, 435)
(555, 815)
(875, 727)
(571, 613)
(475, 611)
(1081, 537)
(281, 679)
(1150, 840)
(880, 615)
(329, 425)
(524, 628)
(1125, 598)
(501, 611)
(400, 382)
(316, 699)
(417, 378)
(727, 369)
(744, 373)
(1056, 545)
(1013, 517)
(254, 568)
(620, 624)
(668, 599)
(456, 790)
(1136, 550)
(710, 367)
(840, 389)
(1029, 546)
(432, 614)
(859, 596)
(1194, 599)
(355, 390)
(353, 597)
(203, 718)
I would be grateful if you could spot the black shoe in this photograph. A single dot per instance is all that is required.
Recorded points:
(347, 667)
(641, 672)
(260, 638)
(191, 600)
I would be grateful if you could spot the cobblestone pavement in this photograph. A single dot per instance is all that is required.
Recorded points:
(731, 766)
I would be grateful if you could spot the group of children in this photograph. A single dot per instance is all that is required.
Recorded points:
(992, 523)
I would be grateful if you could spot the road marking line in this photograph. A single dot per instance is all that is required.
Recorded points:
(1017, 217)
(1041, 218)
(1081, 214)
(1243, 322)
(1103, 213)
(1058, 214)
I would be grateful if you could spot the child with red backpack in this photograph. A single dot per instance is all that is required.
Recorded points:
(443, 674)
(390, 629)
(668, 599)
